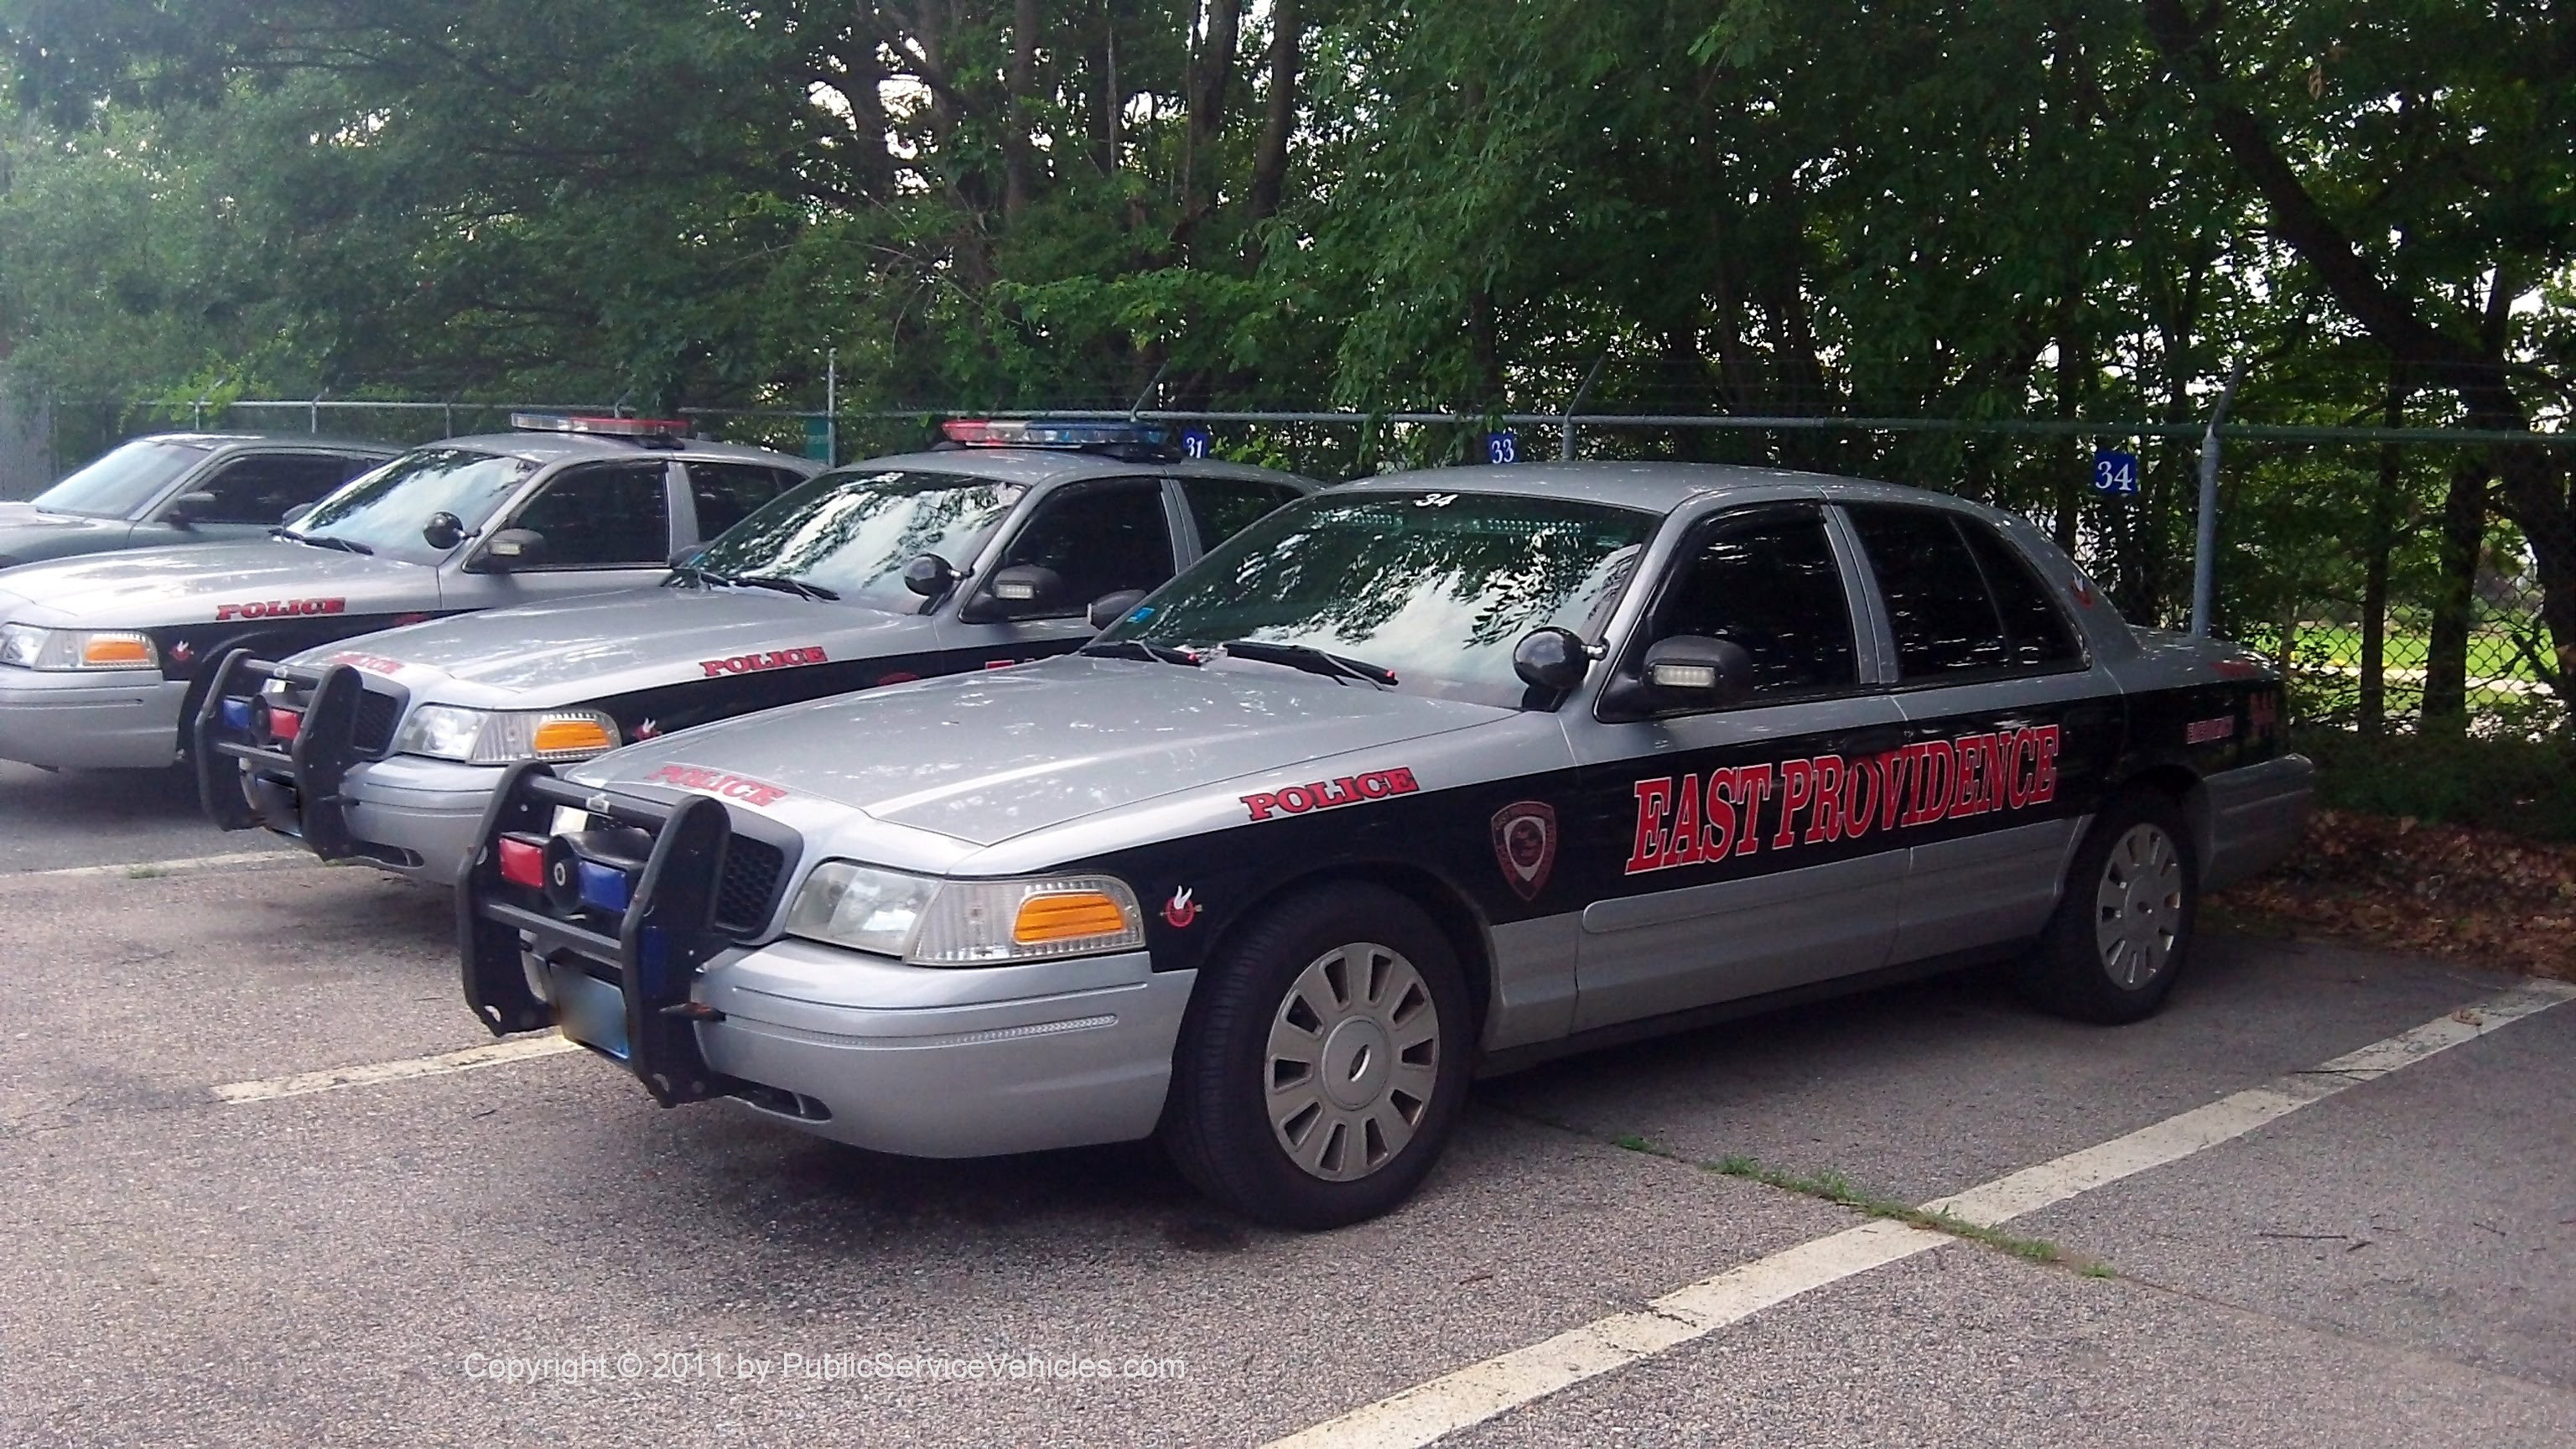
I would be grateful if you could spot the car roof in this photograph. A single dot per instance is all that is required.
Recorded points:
(281, 440)
(1652, 487)
(542, 447)
(1035, 466)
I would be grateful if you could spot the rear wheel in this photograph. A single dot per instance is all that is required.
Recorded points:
(2123, 928)
(1323, 1062)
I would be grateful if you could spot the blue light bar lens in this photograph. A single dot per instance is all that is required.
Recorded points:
(237, 715)
(605, 887)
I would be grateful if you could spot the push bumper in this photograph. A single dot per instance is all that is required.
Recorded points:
(345, 797)
(2256, 815)
(923, 1061)
(115, 720)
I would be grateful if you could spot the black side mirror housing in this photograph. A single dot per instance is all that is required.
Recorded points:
(443, 531)
(1018, 592)
(187, 508)
(511, 550)
(1552, 659)
(1688, 671)
(1108, 609)
(929, 575)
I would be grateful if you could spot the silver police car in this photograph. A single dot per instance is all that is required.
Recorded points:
(101, 659)
(174, 488)
(999, 548)
(1428, 774)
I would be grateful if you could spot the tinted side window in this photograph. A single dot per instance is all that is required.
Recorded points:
(1100, 540)
(1769, 582)
(261, 489)
(2036, 629)
(726, 493)
(1224, 507)
(1936, 596)
(602, 517)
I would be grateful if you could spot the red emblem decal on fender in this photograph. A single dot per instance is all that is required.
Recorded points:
(281, 609)
(1180, 910)
(1328, 794)
(755, 663)
(718, 783)
(1525, 845)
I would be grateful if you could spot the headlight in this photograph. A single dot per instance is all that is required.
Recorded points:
(66, 650)
(481, 737)
(965, 922)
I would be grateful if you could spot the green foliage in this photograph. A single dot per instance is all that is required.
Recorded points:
(2521, 786)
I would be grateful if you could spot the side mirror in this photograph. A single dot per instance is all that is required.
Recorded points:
(1016, 593)
(929, 575)
(1108, 609)
(1552, 659)
(187, 508)
(513, 549)
(1688, 671)
(682, 558)
(443, 531)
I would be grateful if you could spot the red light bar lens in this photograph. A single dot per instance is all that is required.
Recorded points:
(284, 725)
(523, 862)
(1042, 433)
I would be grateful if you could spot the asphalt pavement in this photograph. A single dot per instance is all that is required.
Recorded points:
(527, 1249)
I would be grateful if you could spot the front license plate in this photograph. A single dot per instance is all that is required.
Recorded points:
(588, 1010)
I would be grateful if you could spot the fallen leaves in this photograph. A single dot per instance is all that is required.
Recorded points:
(2479, 896)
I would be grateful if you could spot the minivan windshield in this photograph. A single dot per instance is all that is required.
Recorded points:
(1433, 587)
(385, 511)
(119, 482)
(851, 532)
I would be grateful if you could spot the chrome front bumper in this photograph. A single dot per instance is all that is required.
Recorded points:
(107, 720)
(925, 1061)
(417, 817)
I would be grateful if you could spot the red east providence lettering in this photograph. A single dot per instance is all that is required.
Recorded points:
(1825, 798)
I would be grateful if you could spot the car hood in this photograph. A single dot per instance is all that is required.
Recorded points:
(196, 583)
(543, 655)
(993, 755)
(25, 520)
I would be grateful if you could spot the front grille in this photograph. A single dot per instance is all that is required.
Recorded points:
(749, 890)
(377, 715)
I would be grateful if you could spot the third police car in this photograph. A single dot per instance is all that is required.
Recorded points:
(990, 551)
(1426, 773)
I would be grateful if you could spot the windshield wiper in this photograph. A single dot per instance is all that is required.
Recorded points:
(1312, 660)
(322, 540)
(1138, 649)
(798, 587)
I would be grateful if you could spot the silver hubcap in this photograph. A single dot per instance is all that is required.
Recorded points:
(1354, 1053)
(2137, 918)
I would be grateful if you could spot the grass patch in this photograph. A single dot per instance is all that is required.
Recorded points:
(2523, 787)
(144, 872)
(1834, 1188)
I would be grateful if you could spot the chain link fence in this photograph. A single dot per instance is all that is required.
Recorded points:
(2372, 565)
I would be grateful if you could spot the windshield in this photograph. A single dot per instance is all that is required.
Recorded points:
(122, 480)
(1436, 587)
(385, 510)
(852, 532)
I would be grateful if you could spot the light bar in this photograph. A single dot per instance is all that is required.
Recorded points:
(602, 427)
(605, 887)
(523, 862)
(1038, 433)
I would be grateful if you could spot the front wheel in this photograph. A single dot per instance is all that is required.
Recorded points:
(1323, 1062)
(2123, 928)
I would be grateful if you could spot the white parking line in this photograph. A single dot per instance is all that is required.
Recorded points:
(517, 1050)
(1471, 1395)
(144, 869)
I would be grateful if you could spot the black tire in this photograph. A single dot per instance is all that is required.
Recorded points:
(2073, 971)
(1217, 1124)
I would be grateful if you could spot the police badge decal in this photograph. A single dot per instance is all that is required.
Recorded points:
(1525, 845)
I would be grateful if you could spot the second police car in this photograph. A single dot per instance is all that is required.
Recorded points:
(103, 658)
(1424, 774)
(991, 551)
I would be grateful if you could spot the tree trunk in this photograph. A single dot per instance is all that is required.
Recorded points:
(1270, 167)
(2446, 661)
(1016, 146)
(1212, 75)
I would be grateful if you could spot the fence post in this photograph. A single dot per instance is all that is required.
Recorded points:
(2204, 554)
(447, 419)
(831, 407)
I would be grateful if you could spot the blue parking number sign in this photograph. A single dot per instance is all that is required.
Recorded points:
(2115, 472)
(1503, 447)
(1196, 443)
